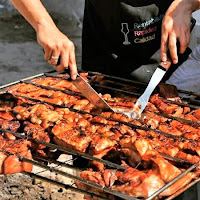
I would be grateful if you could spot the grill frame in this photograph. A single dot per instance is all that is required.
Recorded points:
(191, 102)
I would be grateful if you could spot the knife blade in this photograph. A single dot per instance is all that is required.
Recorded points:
(154, 81)
(87, 91)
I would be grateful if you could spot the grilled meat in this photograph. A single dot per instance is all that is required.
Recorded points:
(35, 131)
(106, 135)
(105, 178)
(9, 156)
(66, 135)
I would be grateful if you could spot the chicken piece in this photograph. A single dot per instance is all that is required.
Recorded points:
(66, 135)
(90, 108)
(131, 156)
(54, 82)
(131, 175)
(104, 178)
(166, 170)
(178, 185)
(65, 85)
(102, 140)
(10, 162)
(194, 116)
(22, 111)
(106, 115)
(165, 107)
(99, 120)
(12, 126)
(36, 132)
(120, 117)
(188, 157)
(44, 115)
(12, 165)
(168, 129)
(80, 104)
(99, 144)
(142, 146)
(150, 107)
(126, 130)
(193, 146)
(102, 128)
(144, 185)
(47, 81)
(187, 130)
(22, 88)
(68, 100)
(150, 119)
(6, 115)
(121, 103)
(163, 147)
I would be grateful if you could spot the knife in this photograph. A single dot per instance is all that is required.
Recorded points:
(154, 81)
(89, 93)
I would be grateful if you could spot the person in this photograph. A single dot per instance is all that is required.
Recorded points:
(118, 36)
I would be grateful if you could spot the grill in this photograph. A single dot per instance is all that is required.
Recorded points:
(115, 86)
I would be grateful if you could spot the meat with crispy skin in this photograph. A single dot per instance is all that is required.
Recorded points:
(35, 131)
(105, 178)
(9, 156)
(68, 136)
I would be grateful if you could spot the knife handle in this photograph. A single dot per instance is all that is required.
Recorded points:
(164, 65)
(66, 70)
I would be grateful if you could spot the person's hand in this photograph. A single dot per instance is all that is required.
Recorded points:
(175, 27)
(55, 45)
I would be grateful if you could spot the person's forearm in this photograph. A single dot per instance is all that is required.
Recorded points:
(34, 12)
(192, 5)
(188, 5)
(55, 44)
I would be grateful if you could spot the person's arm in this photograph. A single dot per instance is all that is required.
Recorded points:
(176, 26)
(54, 42)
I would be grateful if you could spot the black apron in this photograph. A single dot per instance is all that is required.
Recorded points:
(119, 36)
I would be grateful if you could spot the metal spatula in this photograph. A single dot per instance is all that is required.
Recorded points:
(144, 98)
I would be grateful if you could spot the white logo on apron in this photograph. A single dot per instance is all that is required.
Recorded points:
(125, 31)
